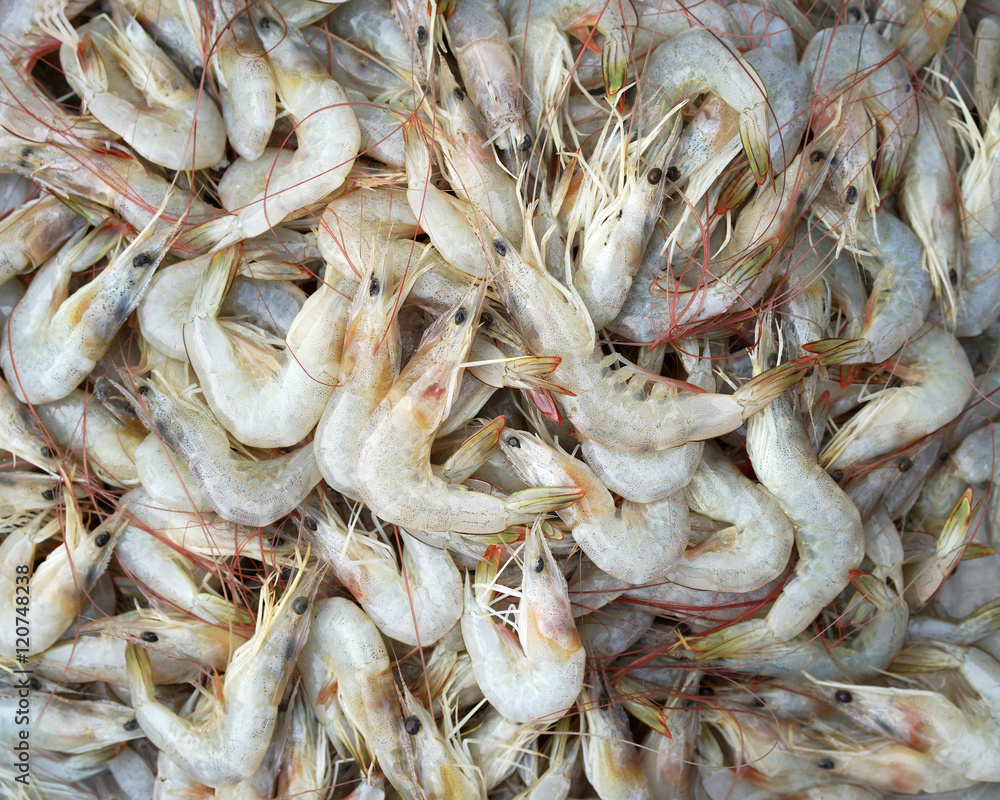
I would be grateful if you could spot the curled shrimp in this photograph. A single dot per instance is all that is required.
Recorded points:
(541, 673)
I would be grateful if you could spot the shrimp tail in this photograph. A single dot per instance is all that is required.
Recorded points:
(831, 352)
(924, 577)
(215, 283)
(530, 372)
(635, 700)
(758, 392)
(140, 674)
(543, 499)
(757, 147)
(473, 452)
(734, 641)
(614, 63)
(220, 610)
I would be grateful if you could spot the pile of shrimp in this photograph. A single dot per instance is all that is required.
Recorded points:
(520, 399)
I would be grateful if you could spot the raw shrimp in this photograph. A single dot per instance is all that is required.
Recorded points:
(33, 232)
(613, 402)
(246, 82)
(937, 383)
(229, 742)
(20, 436)
(326, 130)
(51, 342)
(391, 469)
(130, 85)
(478, 36)
(247, 492)
(694, 62)
(305, 768)
(829, 537)
(262, 397)
(749, 554)
(637, 543)
(416, 603)
(541, 673)
(610, 759)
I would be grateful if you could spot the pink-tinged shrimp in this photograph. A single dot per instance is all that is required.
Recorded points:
(539, 672)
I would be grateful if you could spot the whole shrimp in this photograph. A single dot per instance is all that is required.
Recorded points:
(263, 398)
(637, 543)
(540, 672)
(326, 130)
(229, 742)
(247, 492)
(391, 469)
(417, 603)
(829, 536)
(47, 354)
(33, 232)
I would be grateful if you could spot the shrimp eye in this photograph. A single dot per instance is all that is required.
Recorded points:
(854, 14)
(500, 247)
(843, 696)
(149, 636)
(373, 287)
(460, 316)
(673, 173)
(47, 453)
(34, 684)
(265, 22)
(459, 93)
(525, 143)
(486, 318)
(143, 390)
(836, 474)
(809, 372)
(131, 725)
(102, 539)
(299, 605)
(48, 495)
(539, 565)
(706, 691)
(757, 703)
(199, 75)
(142, 260)
(421, 35)
(412, 725)
(310, 523)
(953, 277)
(903, 465)
(852, 195)
(654, 176)
(772, 361)
(825, 763)
(513, 441)
(816, 156)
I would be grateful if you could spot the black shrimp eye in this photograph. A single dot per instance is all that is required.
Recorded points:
(142, 260)
(903, 464)
(131, 725)
(772, 361)
(816, 156)
(143, 390)
(843, 696)
(525, 143)
(199, 75)
(673, 173)
(34, 684)
(654, 176)
(706, 691)
(48, 495)
(486, 318)
(500, 247)
(513, 441)
(421, 35)
(953, 277)
(310, 523)
(460, 316)
(412, 725)
(47, 453)
(854, 14)
(836, 474)
(102, 539)
(373, 287)
(299, 605)
(825, 763)
(757, 703)
(809, 372)
(265, 22)
(852, 195)
(539, 565)
(149, 636)
(459, 93)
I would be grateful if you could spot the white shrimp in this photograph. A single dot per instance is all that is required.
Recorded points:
(262, 397)
(47, 354)
(416, 603)
(610, 759)
(326, 130)
(130, 85)
(541, 673)
(228, 743)
(33, 232)
(937, 383)
(637, 543)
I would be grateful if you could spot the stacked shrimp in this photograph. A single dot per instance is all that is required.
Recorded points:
(538, 399)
